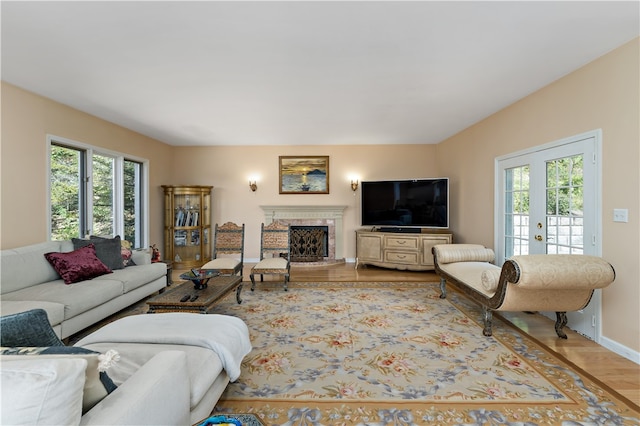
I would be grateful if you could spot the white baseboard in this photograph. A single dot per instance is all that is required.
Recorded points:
(621, 350)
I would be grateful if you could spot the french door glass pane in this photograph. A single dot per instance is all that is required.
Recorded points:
(103, 195)
(516, 215)
(66, 193)
(565, 205)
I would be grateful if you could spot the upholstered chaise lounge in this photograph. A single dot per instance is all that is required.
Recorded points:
(544, 282)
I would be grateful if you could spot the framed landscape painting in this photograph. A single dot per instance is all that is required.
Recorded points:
(304, 175)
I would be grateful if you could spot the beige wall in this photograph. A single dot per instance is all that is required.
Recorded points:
(27, 119)
(602, 95)
(228, 170)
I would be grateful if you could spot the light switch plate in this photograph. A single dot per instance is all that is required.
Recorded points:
(621, 215)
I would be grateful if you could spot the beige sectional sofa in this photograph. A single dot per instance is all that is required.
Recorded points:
(168, 369)
(28, 281)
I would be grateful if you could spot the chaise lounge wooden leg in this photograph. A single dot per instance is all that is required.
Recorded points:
(561, 321)
(253, 282)
(488, 318)
(443, 288)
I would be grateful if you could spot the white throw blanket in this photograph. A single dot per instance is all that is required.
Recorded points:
(227, 336)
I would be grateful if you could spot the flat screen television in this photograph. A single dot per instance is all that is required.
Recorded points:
(399, 204)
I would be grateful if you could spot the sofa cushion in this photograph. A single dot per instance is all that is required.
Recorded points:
(97, 384)
(203, 364)
(15, 263)
(77, 298)
(138, 276)
(46, 392)
(55, 311)
(79, 265)
(30, 328)
(108, 250)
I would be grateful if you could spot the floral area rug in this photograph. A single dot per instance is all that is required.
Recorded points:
(397, 354)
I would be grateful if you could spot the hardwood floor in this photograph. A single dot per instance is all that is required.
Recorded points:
(613, 370)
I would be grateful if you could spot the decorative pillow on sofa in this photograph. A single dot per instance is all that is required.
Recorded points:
(47, 392)
(29, 328)
(97, 383)
(78, 265)
(107, 249)
(125, 251)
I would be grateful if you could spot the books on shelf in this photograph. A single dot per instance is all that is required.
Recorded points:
(180, 238)
(187, 217)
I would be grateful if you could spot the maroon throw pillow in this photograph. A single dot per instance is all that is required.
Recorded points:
(78, 265)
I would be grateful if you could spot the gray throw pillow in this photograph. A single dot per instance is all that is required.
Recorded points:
(30, 328)
(107, 250)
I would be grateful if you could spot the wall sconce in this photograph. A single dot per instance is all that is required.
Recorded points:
(253, 185)
(354, 185)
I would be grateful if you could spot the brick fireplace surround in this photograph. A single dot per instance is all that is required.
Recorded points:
(329, 216)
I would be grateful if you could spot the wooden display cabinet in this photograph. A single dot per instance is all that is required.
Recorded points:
(187, 225)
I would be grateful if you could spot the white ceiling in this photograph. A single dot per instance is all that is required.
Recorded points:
(302, 73)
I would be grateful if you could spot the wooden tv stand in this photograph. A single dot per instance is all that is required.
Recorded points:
(404, 251)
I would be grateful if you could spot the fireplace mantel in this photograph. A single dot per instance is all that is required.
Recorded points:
(331, 213)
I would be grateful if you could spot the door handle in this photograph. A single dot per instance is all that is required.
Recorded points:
(538, 237)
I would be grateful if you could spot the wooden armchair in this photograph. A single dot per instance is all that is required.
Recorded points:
(536, 282)
(228, 249)
(274, 253)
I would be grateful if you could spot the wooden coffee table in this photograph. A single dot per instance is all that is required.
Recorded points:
(217, 288)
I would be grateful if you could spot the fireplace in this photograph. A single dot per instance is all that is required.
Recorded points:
(309, 243)
(329, 217)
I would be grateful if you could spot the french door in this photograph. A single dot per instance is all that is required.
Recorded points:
(548, 201)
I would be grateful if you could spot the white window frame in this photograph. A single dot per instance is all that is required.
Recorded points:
(118, 207)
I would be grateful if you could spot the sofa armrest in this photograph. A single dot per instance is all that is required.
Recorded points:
(562, 272)
(157, 394)
(141, 257)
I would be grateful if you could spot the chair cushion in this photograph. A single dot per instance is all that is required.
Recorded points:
(46, 392)
(221, 263)
(271, 263)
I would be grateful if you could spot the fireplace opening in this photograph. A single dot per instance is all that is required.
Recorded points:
(309, 243)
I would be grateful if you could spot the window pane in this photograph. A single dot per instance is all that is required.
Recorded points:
(111, 202)
(103, 195)
(66, 193)
(133, 203)
(565, 205)
(516, 211)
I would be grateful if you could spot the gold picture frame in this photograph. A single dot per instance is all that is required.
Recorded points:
(304, 174)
